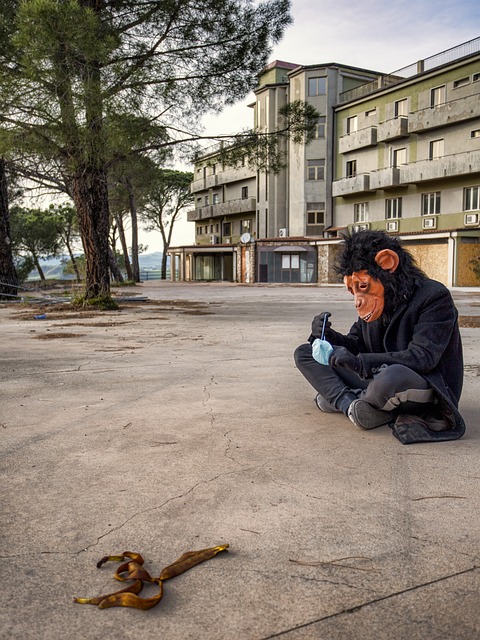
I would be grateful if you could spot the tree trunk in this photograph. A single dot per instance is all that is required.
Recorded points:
(123, 242)
(8, 275)
(164, 264)
(133, 214)
(115, 271)
(91, 201)
(38, 266)
(74, 262)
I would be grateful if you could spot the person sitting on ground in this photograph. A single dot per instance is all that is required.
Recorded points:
(401, 363)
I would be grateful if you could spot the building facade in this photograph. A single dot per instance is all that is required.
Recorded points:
(408, 161)
(243, 216)
(399, 152)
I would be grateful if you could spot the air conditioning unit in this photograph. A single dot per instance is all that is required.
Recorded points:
(213, 239)
(471, 219)
(361, 226)
(282, 233)
(392, 225)
(429, 223)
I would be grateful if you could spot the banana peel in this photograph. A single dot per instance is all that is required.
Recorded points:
(134, 570)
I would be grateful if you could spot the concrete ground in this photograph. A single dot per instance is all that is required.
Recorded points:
(181, 423)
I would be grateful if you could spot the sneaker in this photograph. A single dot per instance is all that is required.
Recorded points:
(365, 416)
(324, 405)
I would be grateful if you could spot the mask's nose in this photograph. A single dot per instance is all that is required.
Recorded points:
(359, 302)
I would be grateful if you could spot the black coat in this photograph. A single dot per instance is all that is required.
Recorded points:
(423, 335)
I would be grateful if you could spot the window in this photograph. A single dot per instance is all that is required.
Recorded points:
(435, 149)
(370, 112)
(351, 169)
(290, 261)
(214, 169)
(317, 86)
(316, 169)
(437, 96)
(206, 200)
(399, 157)
(360, 212)
(244, 193)
(430, 203)
(476, 77)
(475, 133)
(320, 127)
(471, 198)
(461, 82)
(227, 228)
(401, 107)
(216, 198)
(393, 208)
(315, 217)
(246, 225)
(199, 231)
(352, 124)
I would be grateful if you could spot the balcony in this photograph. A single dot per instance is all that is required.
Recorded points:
(385, 178)
(392, 129)
(358, 140)
(246, 205)
(226, 176)
(443, 114)
(349, 186)
(459, 164)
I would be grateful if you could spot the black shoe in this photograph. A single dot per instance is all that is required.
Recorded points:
(365, 416)
(324, 405)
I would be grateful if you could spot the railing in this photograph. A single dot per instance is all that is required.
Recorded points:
(152, 274)
(437, 60)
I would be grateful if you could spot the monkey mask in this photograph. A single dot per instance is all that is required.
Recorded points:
(369, 292)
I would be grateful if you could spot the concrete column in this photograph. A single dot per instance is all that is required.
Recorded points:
(452, 262)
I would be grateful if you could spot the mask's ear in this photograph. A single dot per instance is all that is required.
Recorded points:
(387, 259)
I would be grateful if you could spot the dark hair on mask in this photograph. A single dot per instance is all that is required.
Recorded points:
(358, 253)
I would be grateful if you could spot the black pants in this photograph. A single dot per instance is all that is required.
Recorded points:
(393, 387)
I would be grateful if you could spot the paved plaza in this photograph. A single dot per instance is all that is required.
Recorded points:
(180, 422)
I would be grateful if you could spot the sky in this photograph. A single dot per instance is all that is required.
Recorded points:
(380, 35)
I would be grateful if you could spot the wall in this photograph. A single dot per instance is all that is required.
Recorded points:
(432, 259)
(467, 251)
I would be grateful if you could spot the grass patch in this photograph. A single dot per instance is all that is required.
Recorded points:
(104, 302)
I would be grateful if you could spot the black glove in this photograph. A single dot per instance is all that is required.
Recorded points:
(341, 357)
(317, 324)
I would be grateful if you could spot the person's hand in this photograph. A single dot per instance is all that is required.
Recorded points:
(341, 357)
(318, 322)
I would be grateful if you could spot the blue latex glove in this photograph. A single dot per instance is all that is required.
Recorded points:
(321, 350)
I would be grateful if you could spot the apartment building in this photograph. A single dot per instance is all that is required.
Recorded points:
(408, 161)
(255, 226)
(399, 152)
(225, 212)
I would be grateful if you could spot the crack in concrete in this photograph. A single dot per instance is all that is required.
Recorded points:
(370, 602)
(290, 487)
(269, 574)
(160, 506)
(227, 450)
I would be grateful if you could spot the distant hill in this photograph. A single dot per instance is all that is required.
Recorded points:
(150, 260)
(53, 268)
